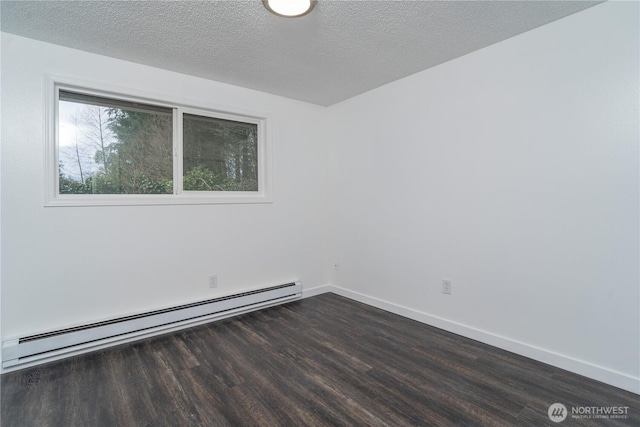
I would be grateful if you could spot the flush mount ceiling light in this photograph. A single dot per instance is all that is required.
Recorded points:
(289, 8)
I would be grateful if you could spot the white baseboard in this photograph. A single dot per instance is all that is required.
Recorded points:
(580, 367)
(306, 293)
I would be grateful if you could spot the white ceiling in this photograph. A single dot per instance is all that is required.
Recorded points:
(341, 49)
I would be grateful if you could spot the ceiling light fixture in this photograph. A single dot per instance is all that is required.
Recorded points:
(289, 8)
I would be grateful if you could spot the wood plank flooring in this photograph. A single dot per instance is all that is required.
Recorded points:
(322, 361)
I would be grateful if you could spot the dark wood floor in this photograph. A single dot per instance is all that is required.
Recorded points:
(321, 361)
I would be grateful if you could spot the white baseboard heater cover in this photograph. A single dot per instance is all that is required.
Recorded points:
(55, 343)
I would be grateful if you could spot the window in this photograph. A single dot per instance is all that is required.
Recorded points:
(106, 148)
(219, 155)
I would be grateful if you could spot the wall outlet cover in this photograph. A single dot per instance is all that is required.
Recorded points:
(213, 281)
(446, 286)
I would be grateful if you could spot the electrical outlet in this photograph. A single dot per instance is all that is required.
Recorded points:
(336, 265)
(446, 286)
(213, 281)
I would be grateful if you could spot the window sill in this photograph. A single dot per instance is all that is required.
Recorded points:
(155, 200)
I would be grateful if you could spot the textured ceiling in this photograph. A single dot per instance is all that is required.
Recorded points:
(341, 49)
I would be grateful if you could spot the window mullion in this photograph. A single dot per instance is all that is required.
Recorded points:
(177, 151)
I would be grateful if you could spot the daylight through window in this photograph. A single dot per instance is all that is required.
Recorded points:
(219, 155)
(112, 147)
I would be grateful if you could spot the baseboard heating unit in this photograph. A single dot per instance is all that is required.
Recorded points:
(54, 344)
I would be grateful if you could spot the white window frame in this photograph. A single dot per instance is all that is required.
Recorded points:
(180, 106)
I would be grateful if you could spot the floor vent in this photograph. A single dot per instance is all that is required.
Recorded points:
(55, 343)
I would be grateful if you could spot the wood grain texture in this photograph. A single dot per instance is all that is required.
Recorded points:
(321, 361)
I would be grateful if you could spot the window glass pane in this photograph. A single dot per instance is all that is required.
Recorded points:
(219, 155)
(108, 146)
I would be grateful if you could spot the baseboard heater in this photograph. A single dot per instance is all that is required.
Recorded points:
(55, 343)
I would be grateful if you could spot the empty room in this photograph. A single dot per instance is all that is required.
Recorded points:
(319, 213)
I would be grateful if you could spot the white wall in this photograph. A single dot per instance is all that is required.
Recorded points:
(63, 265)
(512, 171)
